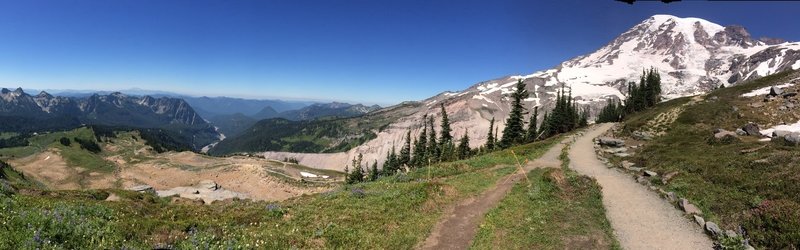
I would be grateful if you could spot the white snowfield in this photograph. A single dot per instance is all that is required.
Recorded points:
(765, 90)
(310, 175)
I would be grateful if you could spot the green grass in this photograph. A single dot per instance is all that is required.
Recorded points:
(6, 135)
(394, 212)
(558, 209)
(731, 188)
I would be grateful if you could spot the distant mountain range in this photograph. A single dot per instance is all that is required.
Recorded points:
(21, 112)
(233, 124)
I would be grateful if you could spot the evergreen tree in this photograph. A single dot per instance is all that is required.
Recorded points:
(358, 172)
(390, 166)
(433, 147)
(463, 146)
(420, 148)
(490, 137)
(514, 132)
(373, 172)
(532, 130)
(545, 130)
(446, 136)
(405, 151)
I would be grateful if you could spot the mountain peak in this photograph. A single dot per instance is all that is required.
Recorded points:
(19, 91)
(44, 95)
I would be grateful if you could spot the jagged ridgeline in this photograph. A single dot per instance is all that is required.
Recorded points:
(170, 120)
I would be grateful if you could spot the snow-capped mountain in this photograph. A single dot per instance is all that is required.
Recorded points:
(692, 55)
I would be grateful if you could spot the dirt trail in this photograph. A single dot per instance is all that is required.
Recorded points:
(640, 219)
(460, 224)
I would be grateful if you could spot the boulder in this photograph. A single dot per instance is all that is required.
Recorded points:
(740, 132)
(724, 135)
(650, 173)
(643, 136)
(615, 150)
(627, 164)
(689, 208)
(789, 94)
(612, 142)
(780, 133)
(730, 233)
(752, 129)
(713, 229)
(672, 197)
(792, 138)
(775, 91)
(700, 221)
(142, 189)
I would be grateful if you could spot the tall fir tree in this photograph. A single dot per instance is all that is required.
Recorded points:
(463, 146)
(490, 136)
(405, 151)
(390, 166)
(514, 131)
(373, 171)
(358, 172)
(433, 146)
(545, 130)
(420, 147)
(532, 128)
(446, 136)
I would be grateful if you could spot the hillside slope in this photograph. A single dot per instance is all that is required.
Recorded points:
(740, 181)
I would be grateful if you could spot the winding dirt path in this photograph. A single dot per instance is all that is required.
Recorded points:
(640, 219)
(459, 225)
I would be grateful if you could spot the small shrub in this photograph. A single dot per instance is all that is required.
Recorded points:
(775, 224)
(65, 141)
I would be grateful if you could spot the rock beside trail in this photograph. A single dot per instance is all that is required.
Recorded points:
(208, 184)
(667, 177)
(700, 221)
(650, 173)
(611, 142)
(713, 229)
(689, 208)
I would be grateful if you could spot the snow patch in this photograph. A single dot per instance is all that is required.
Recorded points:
(795, 127)
(764, 90)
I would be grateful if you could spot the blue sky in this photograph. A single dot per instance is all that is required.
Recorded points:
(366, 51)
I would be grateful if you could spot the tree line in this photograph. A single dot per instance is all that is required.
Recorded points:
(641, 96)
(430, 147)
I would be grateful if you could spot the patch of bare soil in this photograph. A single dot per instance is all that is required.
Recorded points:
(49, 168)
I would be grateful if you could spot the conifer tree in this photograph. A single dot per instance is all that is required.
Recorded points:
(545, 130)
(390, 166)
(490, 136)
(358, 172)
(433, 147)
(373, 172)
(446, 136)
(463, 146)
(514, 132)
(405, 151)
(532, 129)
(420, 148)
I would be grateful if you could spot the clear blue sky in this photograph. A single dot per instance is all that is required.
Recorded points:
(364, 51)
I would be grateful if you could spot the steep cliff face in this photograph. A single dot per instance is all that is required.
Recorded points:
(692, 55)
